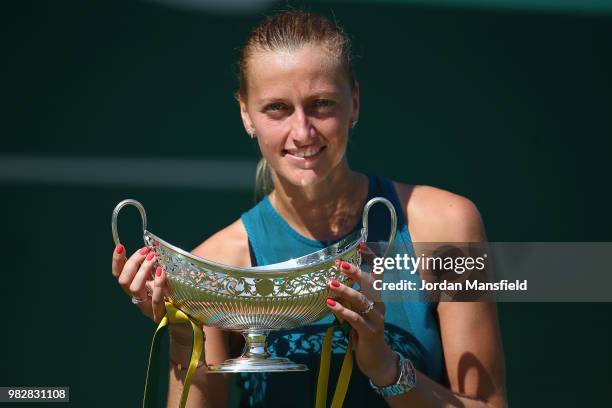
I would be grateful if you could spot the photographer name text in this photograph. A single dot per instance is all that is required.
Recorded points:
(408, 285)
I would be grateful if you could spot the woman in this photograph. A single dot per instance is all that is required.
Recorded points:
(298, 98)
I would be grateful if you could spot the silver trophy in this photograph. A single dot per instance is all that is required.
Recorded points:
(256, 300)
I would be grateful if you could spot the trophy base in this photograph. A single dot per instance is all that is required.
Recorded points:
(257, 365)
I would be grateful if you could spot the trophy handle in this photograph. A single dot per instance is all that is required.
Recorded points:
(143, 216)
(392, 215)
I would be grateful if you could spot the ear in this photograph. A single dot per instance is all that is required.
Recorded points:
(246, 118)
(355, 97)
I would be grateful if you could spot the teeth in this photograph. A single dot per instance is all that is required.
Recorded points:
(307, 152)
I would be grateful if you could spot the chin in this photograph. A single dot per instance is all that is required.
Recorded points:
(305, 178)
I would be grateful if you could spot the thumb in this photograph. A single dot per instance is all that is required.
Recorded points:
(157, 298)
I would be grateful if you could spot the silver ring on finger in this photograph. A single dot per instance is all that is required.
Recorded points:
(369, 307)
(136, 300)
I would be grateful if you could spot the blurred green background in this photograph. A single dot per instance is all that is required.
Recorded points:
(507, 103)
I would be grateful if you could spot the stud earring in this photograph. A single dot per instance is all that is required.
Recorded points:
(251, 133)
(354, 123)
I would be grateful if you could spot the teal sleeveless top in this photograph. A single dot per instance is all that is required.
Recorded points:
(411, 327)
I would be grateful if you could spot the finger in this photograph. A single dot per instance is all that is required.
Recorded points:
(353, 318)
(149, 286)
(351, 271)
(358, 301)
(365, 280)
(366, 252)
(145, 272)
(118, 260)
(146, 307)
(157, 297)
(131, 268)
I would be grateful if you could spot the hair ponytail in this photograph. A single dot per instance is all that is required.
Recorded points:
(263, 179)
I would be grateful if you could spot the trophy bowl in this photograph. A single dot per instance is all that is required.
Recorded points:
(255, 300)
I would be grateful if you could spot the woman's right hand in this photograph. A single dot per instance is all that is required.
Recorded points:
(139, 278)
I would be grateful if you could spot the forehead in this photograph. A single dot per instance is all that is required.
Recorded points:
(273, 74)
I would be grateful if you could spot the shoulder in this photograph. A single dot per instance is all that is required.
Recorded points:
(228, 246)
(436, 215)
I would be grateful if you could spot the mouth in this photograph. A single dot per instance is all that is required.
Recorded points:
(305, 153)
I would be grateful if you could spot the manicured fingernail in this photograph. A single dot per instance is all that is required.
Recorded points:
(150, 256)
(143, 251)
(331, 302)
(158, 271)
(335, 283)
(119, 249)
(346, 265)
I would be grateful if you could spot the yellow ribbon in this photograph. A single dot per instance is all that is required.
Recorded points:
(343, 378)
(173, 315)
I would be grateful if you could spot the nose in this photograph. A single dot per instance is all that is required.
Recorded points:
(302, 130)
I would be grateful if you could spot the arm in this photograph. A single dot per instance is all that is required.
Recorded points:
(472, 351)
(469, 330)
(228, 246)
(474, 362)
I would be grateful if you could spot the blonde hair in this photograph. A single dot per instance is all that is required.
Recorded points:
(290, 30)
(263, 179)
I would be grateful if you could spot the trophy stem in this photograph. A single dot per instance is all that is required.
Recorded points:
(256, 345)
(256, 358)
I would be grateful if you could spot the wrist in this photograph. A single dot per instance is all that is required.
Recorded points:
(179, 373)
(181, 348)
(404, 383)
(180, 358)
(181, 335)
(181, 354)
(389, 370)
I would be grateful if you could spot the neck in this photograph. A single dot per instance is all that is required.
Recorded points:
(325, 211)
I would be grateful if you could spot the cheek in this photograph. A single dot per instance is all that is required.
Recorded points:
(264, 145)
(269, 146)
(272, 133)
(336, 131)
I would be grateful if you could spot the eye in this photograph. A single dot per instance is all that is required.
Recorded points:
(275, 107)
(323, 103)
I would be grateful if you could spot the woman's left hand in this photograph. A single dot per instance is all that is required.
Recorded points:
(367, 319)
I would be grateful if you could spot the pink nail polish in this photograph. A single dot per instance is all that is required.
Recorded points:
(158, 271)
(150, 256)
(346, 265)
(335, 283)
(330, 302)
(119, 249)
(143, 250)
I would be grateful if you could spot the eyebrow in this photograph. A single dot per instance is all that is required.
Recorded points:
(316, 94)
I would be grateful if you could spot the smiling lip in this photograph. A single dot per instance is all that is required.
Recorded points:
(305, 153)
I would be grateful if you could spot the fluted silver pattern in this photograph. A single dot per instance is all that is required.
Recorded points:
(254, 300)
(258, 299)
